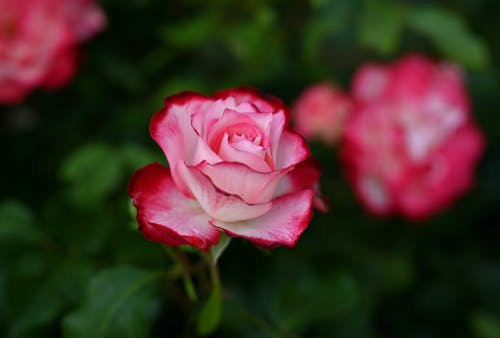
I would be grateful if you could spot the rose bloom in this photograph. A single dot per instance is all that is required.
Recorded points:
(38, 43)
(411, 146)
(320, 112)
(234, 167)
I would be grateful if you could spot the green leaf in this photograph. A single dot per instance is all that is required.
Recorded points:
(92, 172)
(135, 156)
(189, 249)
(123, 74)
(380, 26)
(485, 325)
(319, 4)
(190, 33)
(450, 35)
(309, 300)
(178, 84)
(62, 287)
(117, 304)
(189, 288)
(330, 22)
(210, 314)
(17, 221)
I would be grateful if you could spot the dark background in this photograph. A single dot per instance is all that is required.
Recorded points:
(73, 265)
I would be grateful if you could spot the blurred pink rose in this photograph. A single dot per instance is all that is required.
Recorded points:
(234, 166)
(411, 146)
(321, 111)
(39, 40)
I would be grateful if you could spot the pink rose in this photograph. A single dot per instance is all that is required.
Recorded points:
(411, 146)
(321, 111)
(38, 43)
(234, 167)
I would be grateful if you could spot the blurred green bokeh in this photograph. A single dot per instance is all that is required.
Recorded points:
(72, 263)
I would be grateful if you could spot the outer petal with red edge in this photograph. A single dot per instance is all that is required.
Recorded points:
(292, 149)
(282, 225)
(264, 102)
(304, 176)
(171, 129)
(165, 215)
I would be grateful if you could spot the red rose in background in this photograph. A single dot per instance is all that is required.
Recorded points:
(234, 166)
(321, 111)
(411, 146)
(39, 40)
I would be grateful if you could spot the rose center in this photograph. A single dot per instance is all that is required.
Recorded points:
(243, 136)
(244, 132)
(238, 138)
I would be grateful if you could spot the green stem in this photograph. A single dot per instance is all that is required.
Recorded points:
(183, 268)
(214, 274)
(210, 314)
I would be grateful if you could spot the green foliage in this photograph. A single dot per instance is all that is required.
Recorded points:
(191, 33)
(17, 223)
(380, 26)
(449, 34)
(135, 156)
(329, 20)
(59, 289)
(72, 263)
(485, 325)
(92, 172)
(118, 303)
(209, 317)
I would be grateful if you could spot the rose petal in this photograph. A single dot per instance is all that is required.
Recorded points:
(238, 179)
(305, 175)
(255, 157)
(203, 152)
(40, 46)
(276, 129)
(375, 194)
(321, 111)
(171, 129)
(292, 149)
(409, 150)
(164, 214)
(257, 121)
(450, 174)
(282, 225)
(264, 102)
(204, 120)
(12, 92)
(86, 17)
(61, 72)
(449, 83)
(369, 82)
(411, 77)
(217, 204)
